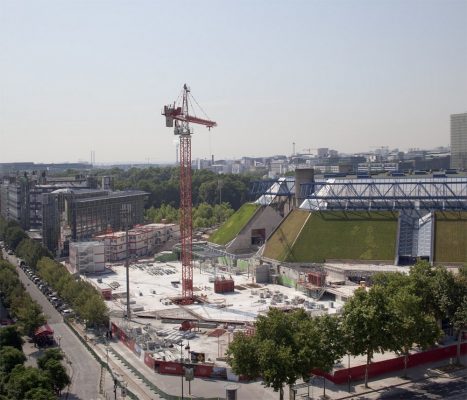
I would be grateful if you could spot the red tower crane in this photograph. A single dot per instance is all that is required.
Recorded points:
(178, 116)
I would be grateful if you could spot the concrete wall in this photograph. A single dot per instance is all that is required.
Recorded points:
(287, 276)
(265, 218)
(262, 273)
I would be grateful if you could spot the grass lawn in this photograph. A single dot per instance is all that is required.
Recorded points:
(234, 224)
(340, 235)
(450, 237)
(280, 243)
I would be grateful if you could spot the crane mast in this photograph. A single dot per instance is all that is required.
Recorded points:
(179, 117)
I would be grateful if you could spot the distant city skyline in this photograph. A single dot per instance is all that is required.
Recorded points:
(78, 76)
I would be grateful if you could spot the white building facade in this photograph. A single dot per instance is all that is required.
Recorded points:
(87, 257)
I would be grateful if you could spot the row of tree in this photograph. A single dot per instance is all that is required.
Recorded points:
(82, 296)
(85, 300)
(19, 382)
(16, 380)
(204, 215)
(396, 313)
(26, 312)
(16, 239)
(11, 233)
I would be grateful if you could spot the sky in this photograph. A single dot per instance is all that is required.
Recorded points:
(82, 76)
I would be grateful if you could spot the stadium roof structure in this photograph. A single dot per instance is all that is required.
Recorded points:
(272, 190)
(388, 194)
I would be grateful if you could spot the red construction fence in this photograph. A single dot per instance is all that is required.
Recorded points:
(338, 377)
(394, 364)
(165, 367)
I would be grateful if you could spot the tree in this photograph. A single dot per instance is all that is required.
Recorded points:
(242, 355)
(269, 352)
(82, 296)
(13, 236)
(284, 348)
(9, 336)
(30, 316)
(222, 212)
(50, 354)
(31, 252)
(435, 287)
(23, 379)
(40, 394)
(459, 319)
(57, 375)
(4, 226)
(460, 325)
(411, 324)
(320, 342)
(367, 320)
(330, 346)
(95, 312)
(442, 293)
(10, 357)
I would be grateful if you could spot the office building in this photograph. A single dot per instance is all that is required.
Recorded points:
(80, 214)
(459, 141)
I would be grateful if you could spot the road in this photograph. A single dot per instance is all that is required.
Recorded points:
(85, 369)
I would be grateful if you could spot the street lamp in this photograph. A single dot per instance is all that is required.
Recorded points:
(187, 347)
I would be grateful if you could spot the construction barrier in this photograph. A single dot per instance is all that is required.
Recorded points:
(339, 377)
(149, 360)
(342, 376)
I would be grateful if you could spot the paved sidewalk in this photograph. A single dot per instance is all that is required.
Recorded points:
(200, 387)
(423, 372)
(134, 384)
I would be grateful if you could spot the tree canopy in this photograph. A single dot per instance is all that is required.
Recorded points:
(286, 347)
(26, 311)
(9, 336)
(23, 379)
(27, 383)
(10, 357)
(49, 354)
(162, 184)
(398, 312)
(85, 300)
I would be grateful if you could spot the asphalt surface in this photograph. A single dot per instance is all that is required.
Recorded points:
(453, 389)
(86, 371)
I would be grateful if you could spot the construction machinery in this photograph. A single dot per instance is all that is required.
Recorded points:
(180, 115)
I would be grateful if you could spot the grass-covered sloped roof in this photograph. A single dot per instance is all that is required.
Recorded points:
(234, 224)
(450, 236)
(340, 235)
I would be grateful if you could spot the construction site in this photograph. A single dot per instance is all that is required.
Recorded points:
(301, 243)
(225, 301)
